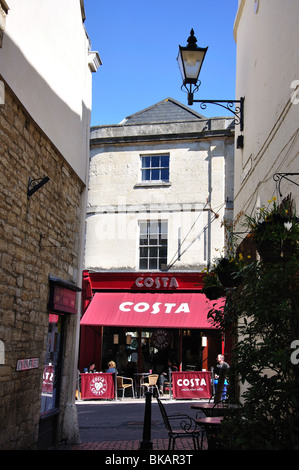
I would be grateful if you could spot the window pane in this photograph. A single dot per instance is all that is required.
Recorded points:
(146, 175)
(146, 162)
(164, 160)
(143, 252)
(155, 162)
(155, 175)
(143, 263)
(143, 228)
(165, 174)
(162, 262)
(154, 227)
(163, 252)
(153, 252)
(154, 240)
(153, 263)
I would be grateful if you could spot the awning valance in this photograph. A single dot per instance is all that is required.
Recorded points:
(150, 310)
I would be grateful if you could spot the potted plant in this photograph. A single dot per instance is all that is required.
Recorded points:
(275, 231)
(227, 270)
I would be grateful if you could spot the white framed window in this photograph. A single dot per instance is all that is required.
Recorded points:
(153, 236)
(155, 168)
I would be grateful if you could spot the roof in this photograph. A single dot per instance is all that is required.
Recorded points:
(167, 110)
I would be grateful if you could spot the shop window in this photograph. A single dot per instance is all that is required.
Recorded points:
(52, 368)
(153, 244)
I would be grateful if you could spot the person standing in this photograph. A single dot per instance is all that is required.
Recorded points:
(220, 381)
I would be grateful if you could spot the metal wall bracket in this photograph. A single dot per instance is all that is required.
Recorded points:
(229, 105)
(279, 176)
(35, 185)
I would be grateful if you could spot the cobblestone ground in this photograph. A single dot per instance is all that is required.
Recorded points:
(119, 426)
(158, 444)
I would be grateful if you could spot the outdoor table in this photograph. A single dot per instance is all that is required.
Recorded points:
(211, 426)
(213, 409)
(97, 386)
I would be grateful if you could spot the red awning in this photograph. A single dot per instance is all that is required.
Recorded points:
(150, 310)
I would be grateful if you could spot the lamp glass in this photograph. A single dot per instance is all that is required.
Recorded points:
(190, 62)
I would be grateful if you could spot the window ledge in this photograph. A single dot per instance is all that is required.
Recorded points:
(152, 184)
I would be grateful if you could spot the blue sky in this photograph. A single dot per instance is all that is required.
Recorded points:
(138, 41)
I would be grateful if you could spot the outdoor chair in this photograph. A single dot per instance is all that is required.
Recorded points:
(187, 427)
(123, 383)
(167, 386)
(151, 383)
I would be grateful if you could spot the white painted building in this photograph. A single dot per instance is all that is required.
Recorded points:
(160, 187)
(165, 173)
(267, 36)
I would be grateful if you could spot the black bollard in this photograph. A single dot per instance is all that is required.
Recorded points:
(146, 443)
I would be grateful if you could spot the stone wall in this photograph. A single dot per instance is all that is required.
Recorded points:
(40, 236)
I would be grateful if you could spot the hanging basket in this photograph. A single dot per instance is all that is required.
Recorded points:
(226, 272)
(213, 292)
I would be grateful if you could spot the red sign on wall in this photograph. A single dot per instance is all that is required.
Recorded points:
(62, 300)
(175, 281)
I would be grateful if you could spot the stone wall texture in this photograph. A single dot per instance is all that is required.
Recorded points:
(39, 237)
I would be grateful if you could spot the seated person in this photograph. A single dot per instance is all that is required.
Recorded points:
(90, 368)
(166, 377)
(112, 367)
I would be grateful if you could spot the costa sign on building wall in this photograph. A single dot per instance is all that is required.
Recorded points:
(157, 282)
(132, 281)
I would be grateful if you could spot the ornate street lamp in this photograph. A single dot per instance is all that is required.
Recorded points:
(190, 60)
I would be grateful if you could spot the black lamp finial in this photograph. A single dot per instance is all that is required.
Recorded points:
(192, 39)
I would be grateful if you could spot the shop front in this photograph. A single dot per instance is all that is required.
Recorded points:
(61, 305)
(143, 321)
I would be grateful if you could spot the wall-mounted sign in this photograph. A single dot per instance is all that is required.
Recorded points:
(146, 281)
(25, 364)
(62, 300)
(158, 282)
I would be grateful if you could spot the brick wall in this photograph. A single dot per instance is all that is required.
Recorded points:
(38, 237)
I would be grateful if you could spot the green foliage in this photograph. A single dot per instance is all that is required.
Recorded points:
(276, 223)
(264, 310)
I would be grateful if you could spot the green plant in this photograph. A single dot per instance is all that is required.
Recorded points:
(228, 271)
(212, 288)
(276, 223)
(264, 311)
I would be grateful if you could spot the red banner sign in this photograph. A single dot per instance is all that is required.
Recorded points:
(192, 384)
(97, 386)
(141, 281)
